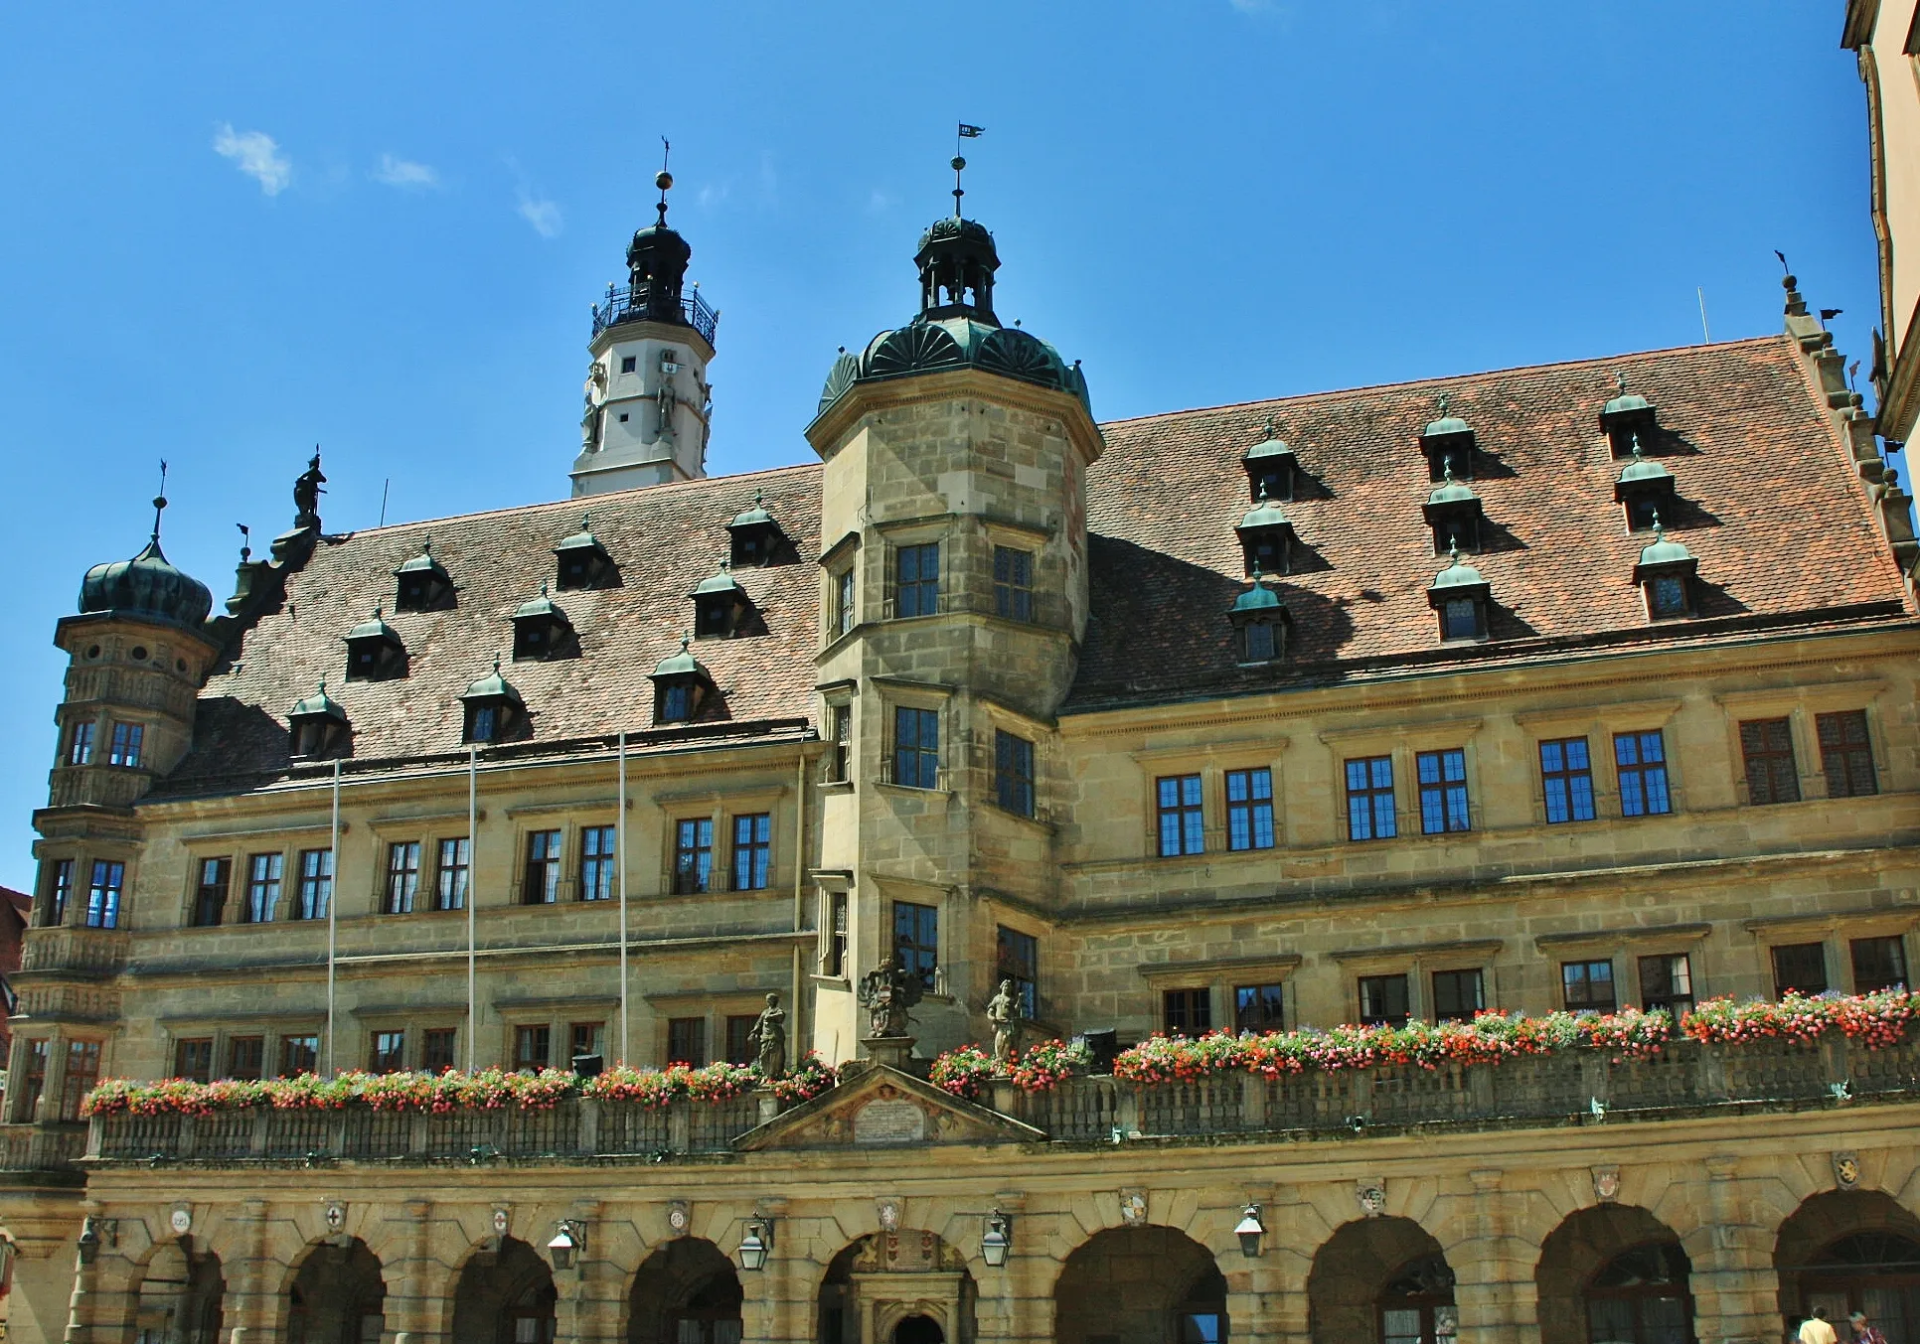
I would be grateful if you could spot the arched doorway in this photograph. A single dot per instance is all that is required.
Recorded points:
(685, 1293)
(504, 1297)
(180, 1297)
(897, 1287)
(1381, 1279)
(1614, 1274)
(337, 1297)
(1847, 1251)
(1140, 1285)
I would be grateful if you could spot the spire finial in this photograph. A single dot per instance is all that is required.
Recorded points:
(1659, 532)
(1443, 405)
(1446, 468)
(1453, 549)
(685, 640)
(496, 664)
(1273, 431)
(1257, 577)
(1263, 491)
(759, 496)
(426, 547)
(1636, 448)
(323, 687)
(1620, 382)
(159, 501)
(664, 179)
(246, 537)
(586, 520)
(966, 132)
(543, 587)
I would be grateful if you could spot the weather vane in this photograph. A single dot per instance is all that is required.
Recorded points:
(966, 132)
(160, 500)
(664, 179)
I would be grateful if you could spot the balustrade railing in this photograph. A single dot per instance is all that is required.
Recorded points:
(1686, 1077)
(624, 305)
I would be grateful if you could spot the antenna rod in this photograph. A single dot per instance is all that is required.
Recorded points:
(1707, 336)
(383, 500)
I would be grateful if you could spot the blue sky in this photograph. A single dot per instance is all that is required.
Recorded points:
(234, 231)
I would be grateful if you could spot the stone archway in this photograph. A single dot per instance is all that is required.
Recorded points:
(181, 1296)
(686, 1292)
(1611, 1273)
(1851, 1250)
(889, 1281)
(504, 1297)
(338, 1295)
(1140, 1285)
(1381, 1279)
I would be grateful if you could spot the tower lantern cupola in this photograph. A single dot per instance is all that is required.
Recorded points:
(957, 260)
(657, 265)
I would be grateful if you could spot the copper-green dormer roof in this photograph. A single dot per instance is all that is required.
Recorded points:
(681, 664)
(1450, 491)
(374, 627)
(755, 516)
(493, 686)
(1640, 469)
(1271, 446)
(1661, 551)
(583, 540)
(423, 563)
(1264, 513)
(1259, 597)
(1446, 424)
(319, 705)
(1456, 574)
(538, 606)
(720, 582)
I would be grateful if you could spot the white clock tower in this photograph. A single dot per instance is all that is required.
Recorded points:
(645, 421)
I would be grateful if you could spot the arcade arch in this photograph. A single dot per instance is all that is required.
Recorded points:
(1140, 1285)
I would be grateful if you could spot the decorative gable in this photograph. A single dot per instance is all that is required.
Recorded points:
(882, 1107)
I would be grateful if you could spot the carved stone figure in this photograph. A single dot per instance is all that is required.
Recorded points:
(666, 399)
(887, 992)
(1003, 1011)
(769, 1039)
(590, 412)
(306, 495)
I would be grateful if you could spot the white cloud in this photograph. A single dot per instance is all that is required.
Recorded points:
(255, 154)
(540, 212)
(405, 174)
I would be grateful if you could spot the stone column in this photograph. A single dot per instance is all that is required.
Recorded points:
(408, 1312)
(590, 1294)
(1735, 1289)
(104, 1294)
(1493, 1275)
(253, 1281)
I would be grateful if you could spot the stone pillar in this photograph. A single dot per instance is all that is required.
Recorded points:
(1735, 1289)
(589, 1309)
(1493, 1275)
(408, 1314)
(253, 1281)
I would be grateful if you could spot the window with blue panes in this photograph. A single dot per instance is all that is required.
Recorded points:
(916, 589)
(1641, 759)
(916, 939)
(752, 850)
(1250, 809)
(1013, 773)
(1182, 827)
(916, 747)
(1443, 791)
(1566, 778)
(103, 894)
(692, 855)
(1370, 798)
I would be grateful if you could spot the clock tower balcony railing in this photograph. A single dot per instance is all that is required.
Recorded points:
(624, 304)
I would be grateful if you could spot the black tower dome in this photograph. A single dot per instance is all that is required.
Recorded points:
(146, 585)
(657, 265)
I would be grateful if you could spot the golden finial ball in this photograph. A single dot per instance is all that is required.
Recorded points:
(663, 179)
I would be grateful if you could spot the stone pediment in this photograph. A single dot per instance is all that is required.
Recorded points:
(883, 1107)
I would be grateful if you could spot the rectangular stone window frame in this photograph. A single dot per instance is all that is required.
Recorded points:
(834, 949)
(994, 719)
(263, 894)
(904, 554)
(711, 1010)
(1625, 947)
(839, 726)
(1799, 705)
(907, 935)
(552, 859)
(223, 1031)
(1849, 752)
(389, 896)
(59, 873)
(554, 1015)
(1835, 931)
(1419, 962)
(841, 586)
(366, 1022)
(719, 807)
(1599, 723)
(898, 694)
(1027, 981)
(1404, 746)
(1221, 977)
(209, 907)
(1212, 762)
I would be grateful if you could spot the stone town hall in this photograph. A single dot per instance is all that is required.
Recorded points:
(1586, 686)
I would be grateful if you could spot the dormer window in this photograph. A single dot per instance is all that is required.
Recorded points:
(1260, 622)
(757, 538)
(1266, 538)
(1626, 416)
(1460, 598)
(721, 607)
(317, 725)
(1666, 575)
(681, 687)
(493, 708)
(1448, 440)
(541, 630)
(584, 562)
(423, 582)
(1454, 512)
(1271, 467)
(1644, 488)
(374, 651)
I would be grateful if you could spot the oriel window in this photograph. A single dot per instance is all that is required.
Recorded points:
(452, 875)
(752, 850)
(916, 747)
(1641, 760)
(597, 863)
(1370, 799)
(1384, 1000)
(693, 855)
(1566, 779)
(263, 887)
(1181, 815)
(836, 963)
(846, 612)
(1587, 986)
(80, 744)
(316, 884)
(103, 894)
(1767, 745)
(1013, 773)
(59, 891)
(126, 743)
(210, 893)
(916, 939)
(916, 583)
(83, 1072)
(403, 876)
(839, 743)
(1250, 808)
(1846, 755)
(543, 869)
(35, 1083)
(1187, 1012)
(1013, 583)
(1443, 791)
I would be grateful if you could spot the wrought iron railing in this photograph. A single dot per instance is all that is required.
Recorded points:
(622, 306)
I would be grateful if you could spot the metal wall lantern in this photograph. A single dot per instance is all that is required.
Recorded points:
(755, 1243)
(95, 1233)
(569, 1244)
(1250, 1230)
(997, 1240)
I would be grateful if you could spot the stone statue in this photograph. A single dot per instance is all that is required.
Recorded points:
(666, 399)
(306, 495)
(887, 992)
(590, 412)
(1003, 1011)
(769, 1039)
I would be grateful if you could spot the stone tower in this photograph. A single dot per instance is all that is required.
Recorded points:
(953, 517)
(647, 399)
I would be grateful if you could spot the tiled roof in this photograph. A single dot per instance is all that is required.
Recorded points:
(664, 539)
(1767, 502)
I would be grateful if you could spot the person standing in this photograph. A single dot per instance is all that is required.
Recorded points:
(1864, 1330)
(1816, 1330)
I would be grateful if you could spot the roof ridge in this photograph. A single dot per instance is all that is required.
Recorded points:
(1445, 378)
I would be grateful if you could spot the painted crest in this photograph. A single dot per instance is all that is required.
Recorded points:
(889, 1211)
(1133, 1207)
(181, 1219)
(336, 1215)
(679, 1217)
(502, 1219)
(1372, 1196)
(1846, 1170)
(1606, 1184)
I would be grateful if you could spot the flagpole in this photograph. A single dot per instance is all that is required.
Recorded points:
(620, 862)
(333, 925)
(473, 864)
